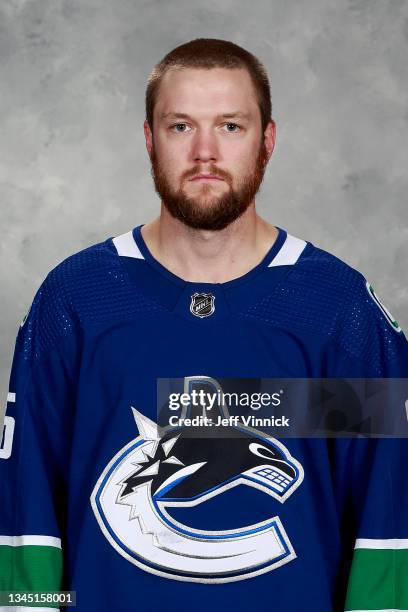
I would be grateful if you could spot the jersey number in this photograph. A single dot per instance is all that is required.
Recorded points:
(6, 440)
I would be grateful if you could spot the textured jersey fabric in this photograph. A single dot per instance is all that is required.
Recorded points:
(328, 530)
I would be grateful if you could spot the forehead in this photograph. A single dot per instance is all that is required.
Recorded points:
(197, 90)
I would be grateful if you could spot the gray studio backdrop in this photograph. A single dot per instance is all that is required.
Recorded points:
(73, 164)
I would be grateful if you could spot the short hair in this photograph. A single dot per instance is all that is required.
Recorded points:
(211, 53)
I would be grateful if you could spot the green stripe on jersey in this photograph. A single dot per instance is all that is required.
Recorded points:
(30, 568)
(378, 579)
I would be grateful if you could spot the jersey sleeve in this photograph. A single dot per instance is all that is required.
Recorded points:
(371, 479)
(35, 443)
(378, 577)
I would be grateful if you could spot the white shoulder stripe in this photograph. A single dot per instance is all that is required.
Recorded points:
(11, 397)
(30, 540)
(126, 246)
(289, 252)
(393, 544)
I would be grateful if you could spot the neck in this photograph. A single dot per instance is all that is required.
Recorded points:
(209, 256)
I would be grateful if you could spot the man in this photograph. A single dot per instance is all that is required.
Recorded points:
(95, 498)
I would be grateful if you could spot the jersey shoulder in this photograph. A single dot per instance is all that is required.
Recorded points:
(347, 307)
(328, 301)
(343, 289)
(87, 288)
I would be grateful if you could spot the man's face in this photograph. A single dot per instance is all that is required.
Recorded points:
(207, 122)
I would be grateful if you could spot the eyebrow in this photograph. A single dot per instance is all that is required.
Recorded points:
(231, 115)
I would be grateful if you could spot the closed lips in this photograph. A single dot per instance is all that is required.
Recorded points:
(206, 176)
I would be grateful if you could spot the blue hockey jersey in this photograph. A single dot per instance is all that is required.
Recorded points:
(94, 500)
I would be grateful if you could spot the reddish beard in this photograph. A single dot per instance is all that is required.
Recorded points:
(219, 211)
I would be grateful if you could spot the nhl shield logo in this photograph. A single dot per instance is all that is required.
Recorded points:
(202, 304)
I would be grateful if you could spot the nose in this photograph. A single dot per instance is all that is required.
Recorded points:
(205, 146)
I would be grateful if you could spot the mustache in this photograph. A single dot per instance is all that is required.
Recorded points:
(211, 170)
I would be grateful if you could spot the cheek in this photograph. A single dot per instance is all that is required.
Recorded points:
(242, 162)
(167, 160)
(241, 154)
(170, 156)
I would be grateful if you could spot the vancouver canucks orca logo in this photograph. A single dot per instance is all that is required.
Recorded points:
(146, 498)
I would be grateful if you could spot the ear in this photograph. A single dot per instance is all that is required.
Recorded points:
(270, 137)
(148, 138)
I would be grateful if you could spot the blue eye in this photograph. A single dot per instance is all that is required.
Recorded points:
(177, 125)
(181, 128)
(234, 125)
